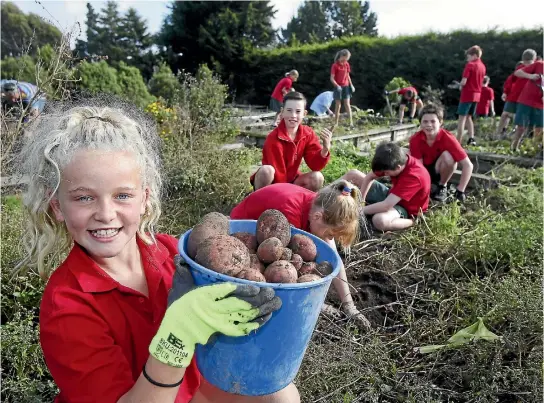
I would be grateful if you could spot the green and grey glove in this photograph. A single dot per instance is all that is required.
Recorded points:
(194, 314)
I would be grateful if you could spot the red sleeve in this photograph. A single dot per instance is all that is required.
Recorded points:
(273, 155)
(333, 69)
(407, 187)
(507, 85)
(348, 68)
(467, 71)
(530, 69)
(82, 356)
(454, 148)
(402, 91)
(287, 83)
(491, 94)
(415, 150)
(312, 152)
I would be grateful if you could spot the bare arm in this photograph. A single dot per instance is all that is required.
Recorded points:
(340, 282)
(492, 107)
(144, 391)
(366, 183)
(521, 73)
(333, 81)
(462, 83)
(381, 207)
(466, 173)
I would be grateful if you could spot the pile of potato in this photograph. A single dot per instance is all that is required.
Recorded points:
(270, 255)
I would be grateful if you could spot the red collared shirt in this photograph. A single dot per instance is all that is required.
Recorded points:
(95, 332)
(285, 155)
(444, 141)
(286, 83)
(474, 72)
(413, 186)
(293, 201)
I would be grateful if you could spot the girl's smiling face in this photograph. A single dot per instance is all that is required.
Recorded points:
(101, 200)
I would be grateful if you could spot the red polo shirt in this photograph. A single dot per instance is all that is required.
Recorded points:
(531, 94)
(95, 332)
(517, 86)
(403, 91)
(413, 186)
(293, 201)
(286, 83)
(285, 155)
(444, 141)
(486, 97)
(341, 73)
(474, 72)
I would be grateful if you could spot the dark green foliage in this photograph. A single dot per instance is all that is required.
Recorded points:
(164, 83)
(430, 59)
(23, 33)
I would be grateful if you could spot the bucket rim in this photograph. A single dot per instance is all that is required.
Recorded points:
(283, 286)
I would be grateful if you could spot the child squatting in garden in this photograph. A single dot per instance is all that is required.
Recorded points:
(440, 152)
(343, 87)
(471, 88)
(410, 98)
(286, 146)
(112, 311)
(282, 88)
(393, 208)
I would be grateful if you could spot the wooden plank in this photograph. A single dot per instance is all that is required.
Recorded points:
(477, 181)
(490, 159)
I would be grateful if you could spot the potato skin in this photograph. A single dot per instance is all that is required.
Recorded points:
(296, 261)
(224, 254)
(287, 254)
(270, 250)
(211, 224)
(252, 275)
(281, 271)
(255, 263)
(272, 223)
(308, 268)
(248, 239)
(304, 246)
(306, 278)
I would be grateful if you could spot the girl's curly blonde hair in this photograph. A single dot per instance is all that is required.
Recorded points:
(53, 140)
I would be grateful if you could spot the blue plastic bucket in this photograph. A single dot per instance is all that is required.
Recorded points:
(267, 360)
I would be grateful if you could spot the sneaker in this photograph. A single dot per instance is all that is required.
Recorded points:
(471, 142)
(441, 193)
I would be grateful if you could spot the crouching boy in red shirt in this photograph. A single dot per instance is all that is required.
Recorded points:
(440, 152)
(393, 208)
(286, 145)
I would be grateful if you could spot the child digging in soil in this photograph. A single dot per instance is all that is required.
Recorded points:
(331, 214)
(439, 151)
(530, 105)
(343, 87)
(410, 98)
(117, 319)
(394, 208)
(282, 88)
(286, 145)
(471, 88)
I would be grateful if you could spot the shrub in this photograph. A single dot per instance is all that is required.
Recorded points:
(132, 85)
(164, 84)
(98, 77)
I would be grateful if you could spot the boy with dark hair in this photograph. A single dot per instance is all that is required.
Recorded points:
(286, 145)
(410, 98)
(393, 208)
(487, 98)
(471, 88)
(440, 152)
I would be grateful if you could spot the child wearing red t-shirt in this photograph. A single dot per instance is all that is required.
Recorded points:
(530, 104)
(410, 98)
(331, 214)
(117, 317)
(343, 87)
(440, 152)
(282, 88)
(286, 146)
(471, 88)
(394, 208)
(487, 98)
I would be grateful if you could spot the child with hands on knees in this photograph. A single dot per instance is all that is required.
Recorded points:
(286, 146)
(109, 329)
(394, 208)
(331, 214)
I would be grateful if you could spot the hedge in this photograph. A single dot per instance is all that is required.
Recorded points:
(430, 59)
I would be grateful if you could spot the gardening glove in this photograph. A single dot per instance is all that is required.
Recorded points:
(352, 312)
(194, 314)
(386, 92)
(339, 89)
(352, 88)
(460, 196)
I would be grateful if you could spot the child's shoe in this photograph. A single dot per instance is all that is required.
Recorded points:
(441, 193)
(471, 141)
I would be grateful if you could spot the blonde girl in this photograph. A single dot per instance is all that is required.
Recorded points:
(331, 214)
(343, 87)
(282, 88)
(120, 317)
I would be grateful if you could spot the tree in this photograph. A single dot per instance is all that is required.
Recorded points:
(92, 45)
(23, 33)
(18, 68)
(163, 83)
(132, 85)
(310, 25)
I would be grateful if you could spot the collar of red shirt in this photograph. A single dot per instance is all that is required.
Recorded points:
(92, 278)
(437, 138)
(282, 134)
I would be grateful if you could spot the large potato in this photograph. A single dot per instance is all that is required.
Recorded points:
(304, 246)
(211, 224)
(224, 254)
(248, 239)
(272, 223)
(270, 250)
(281, 271)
